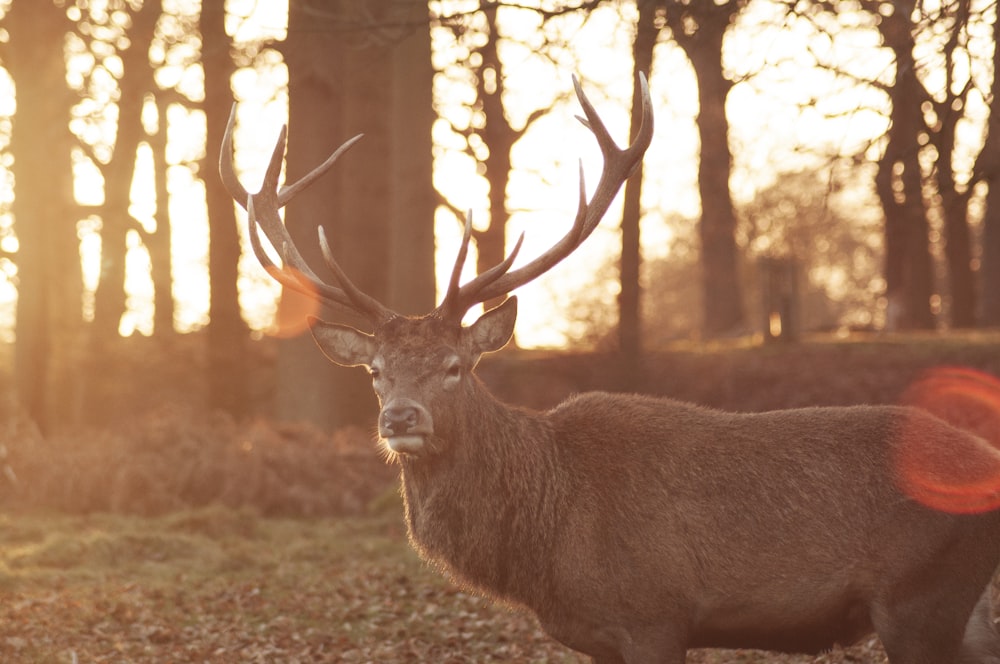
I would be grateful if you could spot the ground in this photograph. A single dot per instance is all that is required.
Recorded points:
(223, 585)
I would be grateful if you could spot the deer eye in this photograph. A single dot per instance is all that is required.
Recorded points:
(452, 370)
(374, 372)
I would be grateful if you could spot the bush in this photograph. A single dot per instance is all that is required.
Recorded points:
(173, 459)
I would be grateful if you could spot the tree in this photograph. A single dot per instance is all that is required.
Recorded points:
(629, 311)
(227, 331)
(49, 324)
(949, 106)
(819, 221)
(988, 169)
(134, 84)
(487, 131)
(378, 208)
(700, 28)
(158, 243)
(900, 186)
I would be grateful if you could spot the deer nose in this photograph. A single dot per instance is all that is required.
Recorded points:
(398, 420)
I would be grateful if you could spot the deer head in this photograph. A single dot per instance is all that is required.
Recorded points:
(418, 361)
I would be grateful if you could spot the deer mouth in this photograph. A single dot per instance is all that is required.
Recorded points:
(406, 443)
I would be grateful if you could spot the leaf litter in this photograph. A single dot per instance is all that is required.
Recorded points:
(223, 585)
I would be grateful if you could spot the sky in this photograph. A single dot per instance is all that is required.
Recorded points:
(784, 101)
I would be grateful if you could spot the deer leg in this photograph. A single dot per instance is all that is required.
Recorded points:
(924, 616)
(981, 643)
(924, 627)
(653, 646)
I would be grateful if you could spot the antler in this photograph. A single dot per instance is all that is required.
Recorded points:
(262, 211)
(619, 164)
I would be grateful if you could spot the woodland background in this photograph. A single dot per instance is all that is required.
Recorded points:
(894, 231)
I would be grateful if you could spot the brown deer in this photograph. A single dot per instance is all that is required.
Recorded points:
(637, 527)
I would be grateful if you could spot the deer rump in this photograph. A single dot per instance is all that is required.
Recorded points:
(665, 525)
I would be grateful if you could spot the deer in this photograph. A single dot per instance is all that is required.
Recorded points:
(636, 527)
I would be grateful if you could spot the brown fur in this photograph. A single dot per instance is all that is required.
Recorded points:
(637, 527)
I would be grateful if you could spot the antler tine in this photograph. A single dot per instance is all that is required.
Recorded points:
(227, 171)
(305, 284)
(288, 192)
(262, 212)
(458, 300)
(619, 164)
(456, 270)
(471, 292)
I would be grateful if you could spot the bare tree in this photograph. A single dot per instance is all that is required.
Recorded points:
(700, 28)
(488, 133)
(49, 323)
(923, 179)
(949, 106)
(908, 262)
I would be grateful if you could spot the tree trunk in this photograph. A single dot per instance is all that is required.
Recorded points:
(954, 200)
(699, 28)
(227, 331)
(629, 297)
(499, 136)
(909, 274)
(988, 167)
(49, 317)
(136, 82)
(381, 242)
(412, 283)
(989, 272)
(160, 250)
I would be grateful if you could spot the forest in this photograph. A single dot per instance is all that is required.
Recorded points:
(822, 164)
(183, 476)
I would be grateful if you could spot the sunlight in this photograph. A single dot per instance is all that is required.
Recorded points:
(786, 109)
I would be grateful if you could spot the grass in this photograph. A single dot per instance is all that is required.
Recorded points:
(224, 585)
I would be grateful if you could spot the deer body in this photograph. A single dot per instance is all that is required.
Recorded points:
(636, 527)
(647, 526)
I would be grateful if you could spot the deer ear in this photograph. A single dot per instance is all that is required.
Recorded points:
(494, 329)
(341, 344)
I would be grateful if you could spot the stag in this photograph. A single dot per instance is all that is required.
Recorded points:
(636, 527)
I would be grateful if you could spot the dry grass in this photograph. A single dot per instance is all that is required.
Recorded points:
(174, 459)
(226, 585)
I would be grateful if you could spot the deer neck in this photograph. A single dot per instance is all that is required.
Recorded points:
(486, 507)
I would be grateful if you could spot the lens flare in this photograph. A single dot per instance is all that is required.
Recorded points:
(294, 310)
(953, 474)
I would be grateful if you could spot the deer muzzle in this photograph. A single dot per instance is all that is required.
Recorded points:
(404, 424)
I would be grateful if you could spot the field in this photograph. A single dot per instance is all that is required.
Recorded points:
(184, 536)
(223, 585)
